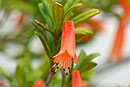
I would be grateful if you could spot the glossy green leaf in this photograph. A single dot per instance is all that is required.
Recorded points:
(58, 13)
(85, 59)
(82, 55)
(85, 16)
(69, 12)
(72, 7)
(88, 59)
(2, 72)
(44, 27)
(88, 66)
(38, 28)
(45, 43)
(82, 31)
(46, 15)
(50, 42)
(69, 4)
(68, 15)
(87, 75)
(91, 57)
(48, 9)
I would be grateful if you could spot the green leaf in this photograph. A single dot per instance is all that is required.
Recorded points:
(69, 12)
(45, 28)
(20, 73)
(50, 42)
(2, 72)
(38, 28)
(88, 66)
(91, 57)
(58, 13)
(45, 11)
(70, 4)
(48, 9)
(88, 58)
(81, 56)
(87, 75)
(85, 16)
(72, 7)
(45, 43)
(82, 31)
(68, 15)
(85, 59)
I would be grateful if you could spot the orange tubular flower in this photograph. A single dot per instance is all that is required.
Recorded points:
(76, 79)
(118, 43)
(67, 51)
(119, 39)
(126, 7)
(38, 83)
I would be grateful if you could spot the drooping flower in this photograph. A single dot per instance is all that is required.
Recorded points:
(38, 83)
(120, 36)
(118, 42)
(67, 51)
(76, 79)
(126, 7)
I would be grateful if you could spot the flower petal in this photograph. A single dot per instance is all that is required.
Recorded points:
(76, 79)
